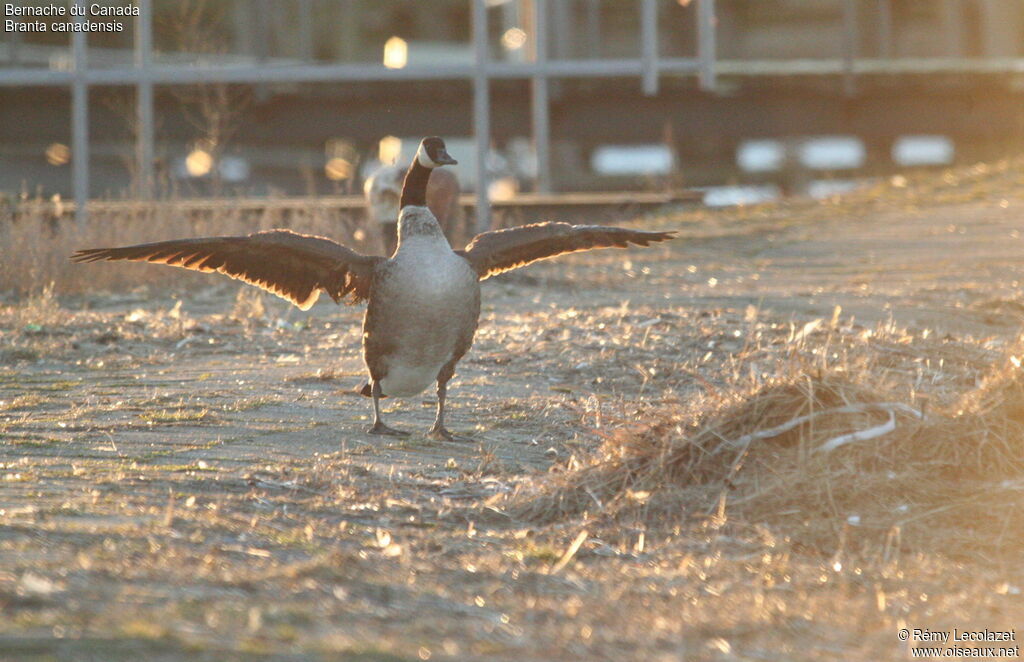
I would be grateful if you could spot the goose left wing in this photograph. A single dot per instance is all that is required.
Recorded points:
(294, 266)
(493, 252)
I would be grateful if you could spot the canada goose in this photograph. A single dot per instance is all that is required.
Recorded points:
(423, 303)
(383, 189)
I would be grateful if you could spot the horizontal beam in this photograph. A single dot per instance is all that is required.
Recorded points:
(358, 203)
(878, 66)
(187, 75)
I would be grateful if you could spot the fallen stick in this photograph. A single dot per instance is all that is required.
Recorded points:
(569, 553)
(890, 407)
(860, 435)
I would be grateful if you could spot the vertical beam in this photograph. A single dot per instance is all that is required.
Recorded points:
(849, 46)
(349, 30)
(14, 48)
(240, 40)
(261, 48)
(263, 21)
(481, 113)
(306, 30)
(593, 8)
(952, 27)
(80, 121)
(144, 100)
(540, 98)
(1000, 28)
(885, 45)
(517, 14)
(707, 48)
(649, 45)
(560, 14)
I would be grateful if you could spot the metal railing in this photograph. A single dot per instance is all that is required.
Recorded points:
(540, 69)
(145, 74)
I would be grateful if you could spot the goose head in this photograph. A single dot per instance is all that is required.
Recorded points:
(433, 154)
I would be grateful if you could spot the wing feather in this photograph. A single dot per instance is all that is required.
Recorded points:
(491, 253)
(293, 266)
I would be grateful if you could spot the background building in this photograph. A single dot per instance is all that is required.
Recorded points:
(628, 104)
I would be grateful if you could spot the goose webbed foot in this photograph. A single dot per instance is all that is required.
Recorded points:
(442, 433)
(439, 431)
(380, 428)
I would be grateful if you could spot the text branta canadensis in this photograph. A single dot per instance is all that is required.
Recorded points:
(423, 303)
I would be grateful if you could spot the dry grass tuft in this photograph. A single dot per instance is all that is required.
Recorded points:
(249, 305)
(835, 462)
(998, 403)
(40, 309)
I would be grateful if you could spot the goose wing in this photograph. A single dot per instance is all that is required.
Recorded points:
(491, 253)
(291, 265)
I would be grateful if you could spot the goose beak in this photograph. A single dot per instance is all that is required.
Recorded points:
(442, 158)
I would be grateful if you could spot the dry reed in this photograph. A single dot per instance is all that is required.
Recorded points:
(835, 461)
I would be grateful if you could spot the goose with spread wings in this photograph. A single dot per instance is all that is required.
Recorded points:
(423, 303)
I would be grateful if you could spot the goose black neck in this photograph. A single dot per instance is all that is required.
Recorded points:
(414, 188)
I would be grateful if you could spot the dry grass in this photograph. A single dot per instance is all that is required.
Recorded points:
(832, 458)
(192, 480)
(41, 308)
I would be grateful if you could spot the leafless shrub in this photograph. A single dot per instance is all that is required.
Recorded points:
(213, 109)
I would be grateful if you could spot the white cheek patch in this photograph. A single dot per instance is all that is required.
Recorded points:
(424, 158)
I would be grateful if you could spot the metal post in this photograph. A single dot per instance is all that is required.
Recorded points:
(80, 121)
(707, 23)
(593, 20)
(561, 20)
(14, 50)
(649, 45)
(481, 114)
(885, 28)
(348, 32)
(262, 30)
(849, 46)
(306, 30)
(1000, 33)
(952, 26)
(261, 50)
(539, 99)
(144, 100)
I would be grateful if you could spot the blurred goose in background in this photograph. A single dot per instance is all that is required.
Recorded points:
(383, 190)
(423, 302)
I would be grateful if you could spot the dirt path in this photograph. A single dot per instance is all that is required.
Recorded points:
(181, 483)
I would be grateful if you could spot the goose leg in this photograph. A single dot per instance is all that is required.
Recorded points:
(378, 426)
(439, 431)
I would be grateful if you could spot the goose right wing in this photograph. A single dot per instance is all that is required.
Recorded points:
(294, 266)
(493, 252)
